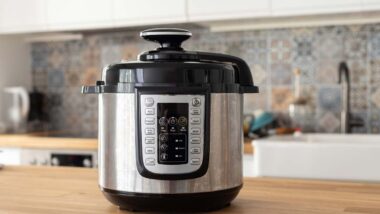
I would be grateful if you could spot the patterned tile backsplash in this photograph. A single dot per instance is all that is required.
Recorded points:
(60, 68)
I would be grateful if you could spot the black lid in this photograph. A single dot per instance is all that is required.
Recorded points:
(170, 65)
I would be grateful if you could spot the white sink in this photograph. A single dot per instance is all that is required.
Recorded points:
(319, 156)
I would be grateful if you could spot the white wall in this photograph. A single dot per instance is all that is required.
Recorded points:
(15, 68)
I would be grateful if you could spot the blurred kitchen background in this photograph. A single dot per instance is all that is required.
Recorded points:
(50, 48)
(60, 68)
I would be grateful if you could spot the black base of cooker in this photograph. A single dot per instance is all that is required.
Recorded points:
(188, 202)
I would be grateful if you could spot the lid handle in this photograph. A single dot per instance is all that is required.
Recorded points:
(169, 38)
(244, 73)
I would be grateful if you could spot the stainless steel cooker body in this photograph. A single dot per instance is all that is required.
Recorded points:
(117, 147)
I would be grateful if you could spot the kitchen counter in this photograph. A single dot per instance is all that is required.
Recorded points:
(42, 141)
(31, 141)
(75, 190)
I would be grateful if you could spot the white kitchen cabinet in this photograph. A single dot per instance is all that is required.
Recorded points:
(10, 156)
(314, 7)
(22, 16)
(133, 12)
(78, 14)
(370, 5)
(200, 10)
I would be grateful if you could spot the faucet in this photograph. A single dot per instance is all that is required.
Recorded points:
(347, 122)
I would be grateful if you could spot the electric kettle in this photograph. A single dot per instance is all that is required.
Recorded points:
(18, 111)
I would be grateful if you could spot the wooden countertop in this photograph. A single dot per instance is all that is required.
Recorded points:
(75, 190)
(42, 142)
(32, 141)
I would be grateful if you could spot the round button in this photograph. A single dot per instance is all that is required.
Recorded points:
(162, 121)
(164, 156)
(182, 121)
(87, 162)
(55, 161)
(196, 102)
(172, 121)
(164, 147)
(163, 138)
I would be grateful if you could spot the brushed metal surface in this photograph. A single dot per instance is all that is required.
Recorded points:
(117, 155)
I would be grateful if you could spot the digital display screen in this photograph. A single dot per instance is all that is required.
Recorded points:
(172, 132)
(169, 110)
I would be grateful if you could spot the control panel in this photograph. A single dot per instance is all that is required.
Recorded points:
(172, 132)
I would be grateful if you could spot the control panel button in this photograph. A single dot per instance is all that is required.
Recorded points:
(195, 140)
(149, 140)
(196, 102)
(149, 150)
(162, 121)
(149, 131)
(149, 102)
(195, 131)
(195, 120)
(164, 147)
(195, 111)
(172, 121)
(149, 120)
(195, 161)
(164, 156)
(163, 129)
(163, 138)
(182, 121)
(150, 161)
(195, 150)
(149, 111)
(173, 129)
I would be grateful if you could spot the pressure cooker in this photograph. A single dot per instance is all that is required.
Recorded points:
(170, 127)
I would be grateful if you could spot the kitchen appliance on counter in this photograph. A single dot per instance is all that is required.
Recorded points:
(170, 127)
(19, 109)
(46, 157)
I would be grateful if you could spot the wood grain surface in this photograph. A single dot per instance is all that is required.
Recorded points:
(75, 190)
(41, 142)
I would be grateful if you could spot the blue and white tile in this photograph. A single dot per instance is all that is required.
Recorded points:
(374, 45)
(374, 71)
(374, 121)
(308, 70)
(359, 71)
(329, 98)
(280, 50)
(255, 51)
(375, 97)
(280, 46)
(355, 46)
(281, 74)
(303, 49)
(329, 43)
(58, 58)
(56, 79)
(359, 98)
(40, 55)
(328, 122)
(327, 72)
